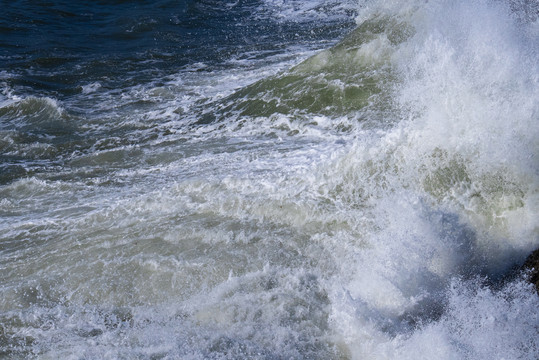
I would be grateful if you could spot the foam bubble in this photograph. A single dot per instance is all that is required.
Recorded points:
(90, 88)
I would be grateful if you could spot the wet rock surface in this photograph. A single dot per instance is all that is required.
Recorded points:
(531, 266)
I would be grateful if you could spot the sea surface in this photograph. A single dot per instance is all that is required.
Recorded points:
(268, 179)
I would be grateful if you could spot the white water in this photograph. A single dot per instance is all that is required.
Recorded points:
(364, 235)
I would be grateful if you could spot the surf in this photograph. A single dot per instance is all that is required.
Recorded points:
(364, 195)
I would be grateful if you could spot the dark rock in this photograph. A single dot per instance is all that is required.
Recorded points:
(531, 266)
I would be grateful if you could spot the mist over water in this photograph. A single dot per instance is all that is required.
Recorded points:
(268, 179)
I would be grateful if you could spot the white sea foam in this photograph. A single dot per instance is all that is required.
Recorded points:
(90, 88)
(379, 234)
(311, 10)
(470, 88)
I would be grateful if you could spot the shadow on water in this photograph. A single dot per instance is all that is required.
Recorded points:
(472, 264)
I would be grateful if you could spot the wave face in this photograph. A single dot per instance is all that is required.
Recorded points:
(268, 179)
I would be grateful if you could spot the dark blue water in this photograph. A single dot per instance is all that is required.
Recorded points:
(55, 47)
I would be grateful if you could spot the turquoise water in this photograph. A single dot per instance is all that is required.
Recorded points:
(268, 179)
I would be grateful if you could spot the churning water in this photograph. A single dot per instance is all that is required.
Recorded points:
(268, 179)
